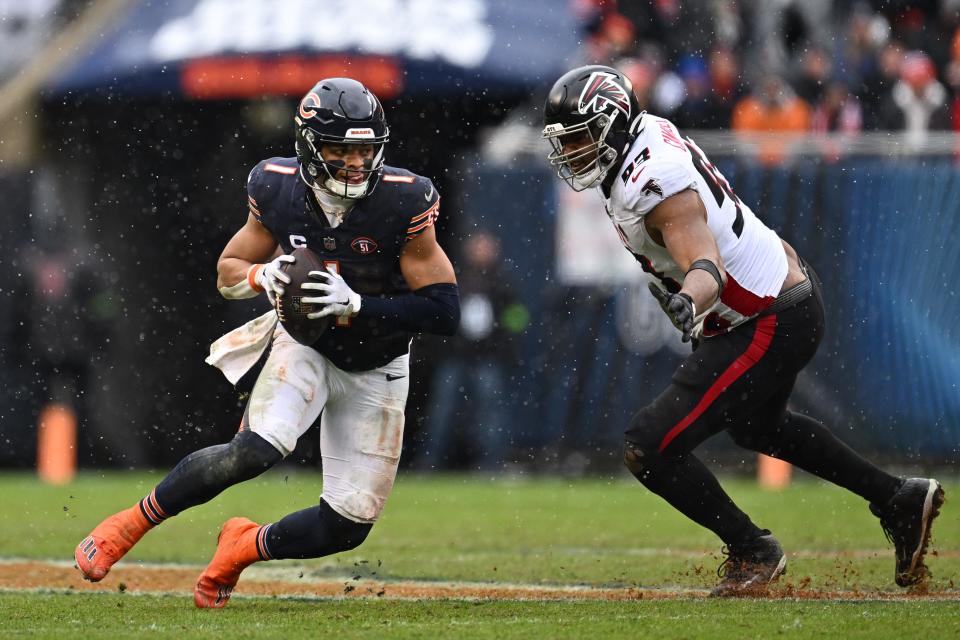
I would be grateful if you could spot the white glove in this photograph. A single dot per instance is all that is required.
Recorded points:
(340, 300)
(271, 279)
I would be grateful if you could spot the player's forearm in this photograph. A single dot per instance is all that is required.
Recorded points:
(431, 309)
(702, 289)
(236, 278)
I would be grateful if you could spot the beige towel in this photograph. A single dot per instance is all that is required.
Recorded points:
(236, 352)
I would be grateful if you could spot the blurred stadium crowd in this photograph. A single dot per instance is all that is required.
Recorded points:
(810, 65)
(107, 301)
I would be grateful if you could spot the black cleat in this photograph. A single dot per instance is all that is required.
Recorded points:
(750, 567)
(906, 520)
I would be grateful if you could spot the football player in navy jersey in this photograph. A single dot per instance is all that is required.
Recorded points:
(386, 278)
(754, 307)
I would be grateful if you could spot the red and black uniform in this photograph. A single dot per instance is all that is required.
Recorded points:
(752, 343)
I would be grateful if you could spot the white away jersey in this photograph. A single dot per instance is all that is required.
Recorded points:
(660, 164)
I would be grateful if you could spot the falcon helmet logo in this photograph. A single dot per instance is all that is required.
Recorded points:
(603, 89)
(363, 245)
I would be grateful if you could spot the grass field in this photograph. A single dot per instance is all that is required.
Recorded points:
(454, 555)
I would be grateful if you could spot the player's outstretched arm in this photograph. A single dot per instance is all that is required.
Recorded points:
(242, 265)
(679, 223)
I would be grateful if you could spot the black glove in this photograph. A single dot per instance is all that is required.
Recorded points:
(678, 307)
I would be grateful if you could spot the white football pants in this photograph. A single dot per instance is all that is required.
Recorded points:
(361, 431)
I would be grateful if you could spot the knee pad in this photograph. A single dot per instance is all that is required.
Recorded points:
(637, 458)
(356, 504)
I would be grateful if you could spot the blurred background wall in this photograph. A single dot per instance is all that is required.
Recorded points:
(127, 130)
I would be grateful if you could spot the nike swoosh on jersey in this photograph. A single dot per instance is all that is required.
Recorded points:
(391, 377)
(429, 194)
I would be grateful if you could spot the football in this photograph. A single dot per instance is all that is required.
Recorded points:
(291, 309)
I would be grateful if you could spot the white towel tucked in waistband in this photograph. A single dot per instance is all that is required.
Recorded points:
(236, 352)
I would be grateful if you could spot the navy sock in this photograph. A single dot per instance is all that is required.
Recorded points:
(313, 533)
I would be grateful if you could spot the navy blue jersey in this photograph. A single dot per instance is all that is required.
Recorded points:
(364, 248)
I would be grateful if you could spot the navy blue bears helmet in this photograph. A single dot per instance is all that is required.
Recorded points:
(339, 111)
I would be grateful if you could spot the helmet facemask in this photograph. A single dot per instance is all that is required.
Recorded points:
(321, 173)
(595, 157)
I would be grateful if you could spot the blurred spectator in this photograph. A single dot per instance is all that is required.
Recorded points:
(469, 421)
(612, 38)
(668, 94)
(24, 28)
(772, 108)
(856, 53)
(877, 84)
(952, 76)
(725, 81)
(837, 112)
(918, 102)
(683, 26)
(642, 74)
(814, 73)
(702, 107)
(64, 323)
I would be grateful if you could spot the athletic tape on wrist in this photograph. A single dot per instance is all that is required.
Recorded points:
(252, 274)
(707, 265)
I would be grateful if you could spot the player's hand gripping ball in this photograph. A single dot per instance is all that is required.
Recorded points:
(291, 309)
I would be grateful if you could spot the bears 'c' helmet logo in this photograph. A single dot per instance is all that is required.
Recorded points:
(309, 100)
(602, 89)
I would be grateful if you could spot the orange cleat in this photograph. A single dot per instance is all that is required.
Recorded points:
(238, 546)
(109, 542)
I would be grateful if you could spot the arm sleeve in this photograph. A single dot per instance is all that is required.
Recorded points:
(431, 309)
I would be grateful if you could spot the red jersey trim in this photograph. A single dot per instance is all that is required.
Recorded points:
(744, 302)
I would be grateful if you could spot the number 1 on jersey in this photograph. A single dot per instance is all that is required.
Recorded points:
(334, 265)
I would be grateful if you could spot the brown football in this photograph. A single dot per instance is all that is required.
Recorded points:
(291, 309)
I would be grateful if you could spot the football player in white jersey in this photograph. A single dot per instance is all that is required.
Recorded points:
(753, 309)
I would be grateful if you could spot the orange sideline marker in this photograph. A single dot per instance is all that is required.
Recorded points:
(773, 473)
(57, 444)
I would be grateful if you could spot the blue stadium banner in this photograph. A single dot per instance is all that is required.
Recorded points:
(226, 49)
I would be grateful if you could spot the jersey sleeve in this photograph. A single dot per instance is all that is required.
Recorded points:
(659, 179)
(264, 185)
(426, 208)
(254, 187)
